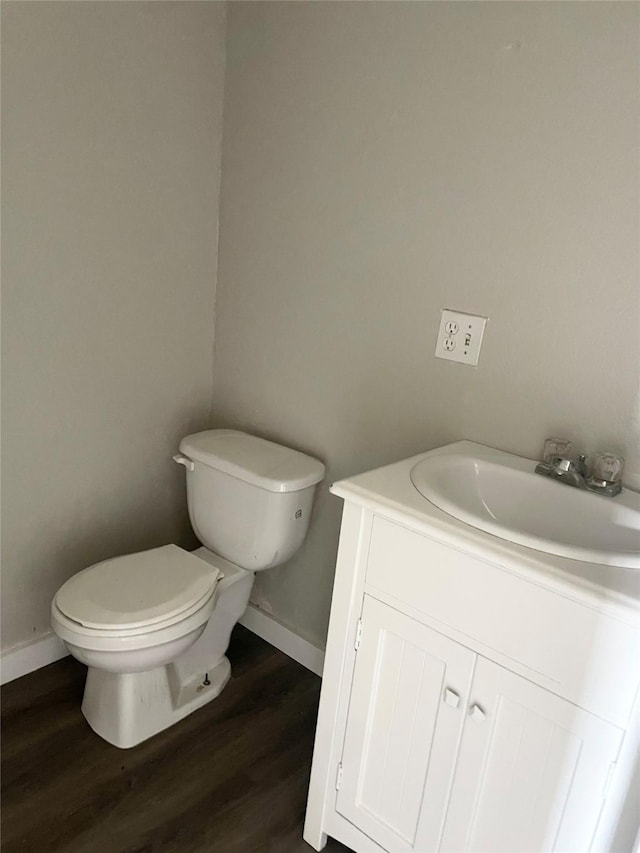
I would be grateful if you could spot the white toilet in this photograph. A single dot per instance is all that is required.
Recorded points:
(153, 627)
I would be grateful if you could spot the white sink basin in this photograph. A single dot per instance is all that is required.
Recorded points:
(500, 494)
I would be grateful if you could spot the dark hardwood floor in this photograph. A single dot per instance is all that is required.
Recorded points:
(230, 778)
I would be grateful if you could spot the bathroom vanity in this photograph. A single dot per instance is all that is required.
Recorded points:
(477, 694)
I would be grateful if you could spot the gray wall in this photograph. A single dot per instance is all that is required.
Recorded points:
(111, 136)
(381, 162)
(384, 161)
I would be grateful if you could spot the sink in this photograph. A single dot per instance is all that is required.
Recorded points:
(500, 493)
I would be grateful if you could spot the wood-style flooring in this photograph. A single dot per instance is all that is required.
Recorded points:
(230, 778)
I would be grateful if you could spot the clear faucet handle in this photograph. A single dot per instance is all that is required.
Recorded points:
(554, 447)
(607, 467)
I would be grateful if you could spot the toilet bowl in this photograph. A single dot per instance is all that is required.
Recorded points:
(142, 643)
(153, 627)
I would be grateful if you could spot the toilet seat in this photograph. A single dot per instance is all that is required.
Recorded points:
(137, 593)
(133, 639)
(103, 608)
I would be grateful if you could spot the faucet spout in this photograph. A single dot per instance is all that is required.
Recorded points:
(571, 472)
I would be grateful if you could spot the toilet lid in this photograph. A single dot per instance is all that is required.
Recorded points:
(138, 589)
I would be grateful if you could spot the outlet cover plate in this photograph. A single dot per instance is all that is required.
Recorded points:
(460, 336)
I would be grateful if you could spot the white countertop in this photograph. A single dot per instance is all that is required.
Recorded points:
(389, 492)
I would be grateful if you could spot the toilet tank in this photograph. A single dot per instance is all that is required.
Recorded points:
(249, 499)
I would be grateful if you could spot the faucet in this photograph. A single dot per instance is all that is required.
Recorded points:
(573, 473)
(576, 473)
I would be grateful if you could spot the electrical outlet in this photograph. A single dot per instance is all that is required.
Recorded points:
(460, 336)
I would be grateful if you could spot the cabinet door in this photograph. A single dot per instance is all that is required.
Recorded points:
(532, 769)
(406, 712)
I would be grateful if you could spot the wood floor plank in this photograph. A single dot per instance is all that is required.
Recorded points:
(230, 778)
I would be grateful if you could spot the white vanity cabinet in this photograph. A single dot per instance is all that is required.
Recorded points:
(532, 771)
(476, 696)
(529, 769)
(403, 729)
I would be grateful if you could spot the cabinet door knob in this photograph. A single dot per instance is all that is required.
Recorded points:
(476, 713)
(451, 697)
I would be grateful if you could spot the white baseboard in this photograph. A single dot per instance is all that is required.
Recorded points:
(266, 627)
(30, 656)
(27, 657)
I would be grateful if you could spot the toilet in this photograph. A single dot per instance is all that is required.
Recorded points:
(153, 627)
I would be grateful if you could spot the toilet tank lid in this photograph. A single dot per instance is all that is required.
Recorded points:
(256, 461)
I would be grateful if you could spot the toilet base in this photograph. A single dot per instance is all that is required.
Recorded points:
(127, 708)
